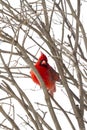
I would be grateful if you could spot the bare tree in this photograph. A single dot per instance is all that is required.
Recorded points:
(57, 29)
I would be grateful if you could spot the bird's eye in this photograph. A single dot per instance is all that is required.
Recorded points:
(43, 63)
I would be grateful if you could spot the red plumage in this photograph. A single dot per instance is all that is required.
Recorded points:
(48, 74)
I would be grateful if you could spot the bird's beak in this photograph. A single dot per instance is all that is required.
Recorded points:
(43, 62)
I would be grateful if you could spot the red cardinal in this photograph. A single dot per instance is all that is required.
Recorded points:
(48, 74)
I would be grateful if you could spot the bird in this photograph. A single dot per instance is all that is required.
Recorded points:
(48, 74)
